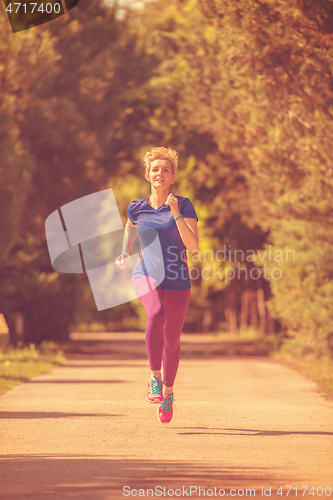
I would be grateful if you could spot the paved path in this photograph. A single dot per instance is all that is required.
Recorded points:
(85, 431)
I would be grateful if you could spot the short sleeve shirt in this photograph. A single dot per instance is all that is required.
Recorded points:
(140, 213)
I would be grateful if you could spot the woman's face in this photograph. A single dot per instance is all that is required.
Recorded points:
(160, 173)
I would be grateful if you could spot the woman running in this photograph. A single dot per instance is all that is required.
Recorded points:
(174, 220)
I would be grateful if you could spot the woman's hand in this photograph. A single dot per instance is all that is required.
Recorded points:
(172, 202)
(122, 260)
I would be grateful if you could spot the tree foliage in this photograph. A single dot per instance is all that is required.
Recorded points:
(67, 106)
(256, 76)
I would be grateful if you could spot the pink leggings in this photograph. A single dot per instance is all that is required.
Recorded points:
(166, 311)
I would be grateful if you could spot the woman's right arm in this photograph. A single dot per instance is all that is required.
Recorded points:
(128, 238)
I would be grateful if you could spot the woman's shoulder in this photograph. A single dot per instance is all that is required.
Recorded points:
(186, 207)
(139, 202)
(133, 209)
(183, 200)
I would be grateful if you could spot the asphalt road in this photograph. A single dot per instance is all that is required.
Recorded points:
(241, 423)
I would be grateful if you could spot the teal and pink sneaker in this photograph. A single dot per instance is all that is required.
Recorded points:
(165, 410)
(155, 389)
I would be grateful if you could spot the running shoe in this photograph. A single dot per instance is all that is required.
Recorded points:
(155, 389)
(165, 410)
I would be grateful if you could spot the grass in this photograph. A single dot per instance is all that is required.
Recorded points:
(318, 370)
(21, 364)
(293, 354)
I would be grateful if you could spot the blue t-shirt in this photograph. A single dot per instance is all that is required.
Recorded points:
(176, 273)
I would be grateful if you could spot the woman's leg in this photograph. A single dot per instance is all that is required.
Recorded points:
(152, 302)
(175, 306)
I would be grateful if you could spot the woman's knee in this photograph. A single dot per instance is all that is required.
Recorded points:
(156, 313)
(172, 345)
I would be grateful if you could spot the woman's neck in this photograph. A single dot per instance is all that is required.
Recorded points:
(158, 198)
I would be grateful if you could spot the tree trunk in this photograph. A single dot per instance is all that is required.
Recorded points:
(207, 320)
(261, 305)
(19, 329)
(270, 322)
(254, 311)
(245, 308)
(231, 309)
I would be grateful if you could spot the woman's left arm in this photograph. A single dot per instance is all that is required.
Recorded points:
(187, 227)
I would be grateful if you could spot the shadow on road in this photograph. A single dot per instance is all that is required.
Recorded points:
(250, 432)
(83, 477)
(81, 381)
(52, 414)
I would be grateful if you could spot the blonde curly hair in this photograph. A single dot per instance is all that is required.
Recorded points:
(160, 153)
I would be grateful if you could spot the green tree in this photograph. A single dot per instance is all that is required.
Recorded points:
(72, 118)
(256, 77)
